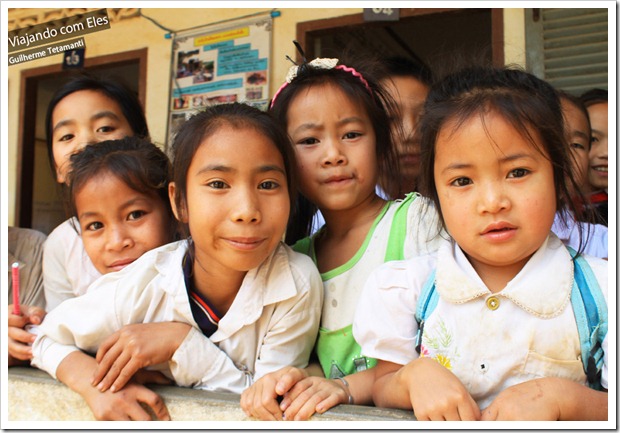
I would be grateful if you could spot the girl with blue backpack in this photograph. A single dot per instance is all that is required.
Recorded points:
(504, 322)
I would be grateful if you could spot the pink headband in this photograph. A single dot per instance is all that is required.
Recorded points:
(319, 63)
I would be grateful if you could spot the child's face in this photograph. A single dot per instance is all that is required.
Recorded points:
(496, 192)
(119, 224)
(578, 136)
(409, 94)
(597, 175)
(334, 143)
(237, 200)
(82, 118)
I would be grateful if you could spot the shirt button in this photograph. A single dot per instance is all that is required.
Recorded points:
(493, 303)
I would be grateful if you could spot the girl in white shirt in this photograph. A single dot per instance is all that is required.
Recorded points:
(237, 303)
(338, 118)
(85, 110)
(502, 341)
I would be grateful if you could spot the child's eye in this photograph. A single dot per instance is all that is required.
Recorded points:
(106, 129)
(308, 141)
(94, 226)
(577, 146)
(137, 214)
(351, 135)
(66, 137)
(217, 184)
(269, 184)
(461, 181)
(518, 172)
(593, 140)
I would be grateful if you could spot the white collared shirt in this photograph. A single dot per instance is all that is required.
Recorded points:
(272, 323)
(67, 269)
(489, 341)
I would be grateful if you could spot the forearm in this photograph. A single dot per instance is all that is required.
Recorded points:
(391, 390)
(361, 386)
(75, 371)
(580, 403)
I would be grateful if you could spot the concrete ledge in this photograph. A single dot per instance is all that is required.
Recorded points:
(34, 396)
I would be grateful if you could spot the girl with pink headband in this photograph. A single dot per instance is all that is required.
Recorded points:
(338, 119)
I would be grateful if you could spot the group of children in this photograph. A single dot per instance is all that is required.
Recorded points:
(193, 251)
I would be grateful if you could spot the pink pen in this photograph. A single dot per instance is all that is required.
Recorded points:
(15, 273)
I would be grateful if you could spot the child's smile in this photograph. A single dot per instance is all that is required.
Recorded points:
(238, 200)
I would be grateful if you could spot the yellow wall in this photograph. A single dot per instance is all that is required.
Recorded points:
(136, 33)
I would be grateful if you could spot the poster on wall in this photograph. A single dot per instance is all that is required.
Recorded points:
(219, 64)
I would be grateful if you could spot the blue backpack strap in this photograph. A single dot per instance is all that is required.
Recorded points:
(590, 309)
(426, 304)
(398, 231)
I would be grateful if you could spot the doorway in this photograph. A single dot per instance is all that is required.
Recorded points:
(435, 36)
(40, 203)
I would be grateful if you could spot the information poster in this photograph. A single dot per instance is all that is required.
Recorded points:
(220, 64)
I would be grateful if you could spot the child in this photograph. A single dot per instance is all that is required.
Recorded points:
(337, 119)
(118, 192)
(408, 82)
(85, 110)
(239, 298)
(595, 101)
(577, 131)
(502, 340)
(118, 195)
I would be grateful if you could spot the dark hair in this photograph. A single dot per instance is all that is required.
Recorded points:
(369, 95)
(528, 103)
(578, 104)
(113, 89)
(140, 164)
(204, 124)
(407, 67)
(594, 96)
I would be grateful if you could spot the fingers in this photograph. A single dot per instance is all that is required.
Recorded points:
(126, 373)
(21, 336)
(259, 401)
(107, 358)
(293, 394)
(15, 320)
(35, 314)
(288, 379)
(302, 402)
(105, 346)
(119, 373)
(329, 402)
(155, 402)
(19, 351)
(469, 411)
(304, 406)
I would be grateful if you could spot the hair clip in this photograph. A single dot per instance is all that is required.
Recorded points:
(318, 63)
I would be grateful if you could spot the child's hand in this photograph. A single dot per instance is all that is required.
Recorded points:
(549, 398)
(427, 387)
(133, 347)
(126, 405)
(260, 399)
(533, 400)
(437, 394)
(312, 394)
(20, 339)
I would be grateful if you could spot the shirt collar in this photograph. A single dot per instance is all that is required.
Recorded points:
(535, 288)
(269, 283)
